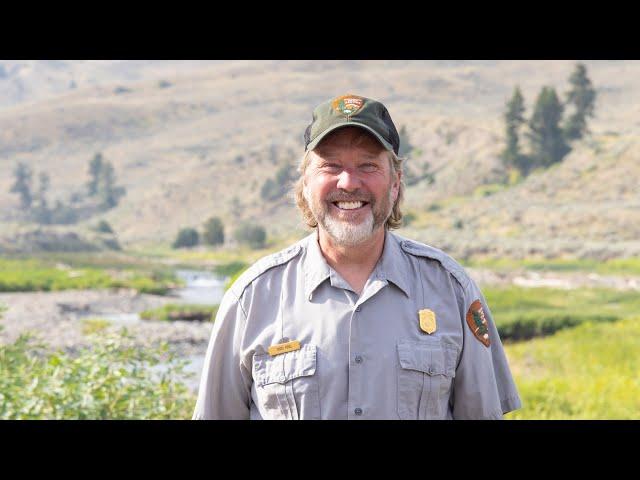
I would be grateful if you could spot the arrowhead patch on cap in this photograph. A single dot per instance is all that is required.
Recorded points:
(478, 323)
(348, 104)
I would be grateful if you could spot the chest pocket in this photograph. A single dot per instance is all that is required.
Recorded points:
(425, 374)
(287, 385)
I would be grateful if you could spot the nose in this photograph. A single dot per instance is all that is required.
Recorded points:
(348, 180)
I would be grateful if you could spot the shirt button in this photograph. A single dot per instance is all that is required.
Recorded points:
(358, 309)
(358, 411)
(283, 378)
(358, 359)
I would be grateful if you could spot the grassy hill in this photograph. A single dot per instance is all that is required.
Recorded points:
(190, 140)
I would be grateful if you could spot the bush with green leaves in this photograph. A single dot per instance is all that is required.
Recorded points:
(251, 234)
(187, 237)
(408, 218)
(213, 232)
(104, 227)
(111, 379)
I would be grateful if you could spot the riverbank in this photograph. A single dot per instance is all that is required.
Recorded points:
(59, 319)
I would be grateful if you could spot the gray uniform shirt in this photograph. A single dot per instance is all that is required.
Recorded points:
(360, 357)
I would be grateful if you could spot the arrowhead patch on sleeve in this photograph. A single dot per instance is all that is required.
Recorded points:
(478, 323)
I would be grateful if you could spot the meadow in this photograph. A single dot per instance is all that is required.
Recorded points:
(573, 353)
(589, 372)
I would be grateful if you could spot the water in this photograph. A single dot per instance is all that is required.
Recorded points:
(202, 288)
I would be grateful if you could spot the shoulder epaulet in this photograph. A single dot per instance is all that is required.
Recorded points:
(422, 250)
(262, 265)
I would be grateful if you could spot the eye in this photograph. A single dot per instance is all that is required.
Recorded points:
(368, 167)
(332, 167)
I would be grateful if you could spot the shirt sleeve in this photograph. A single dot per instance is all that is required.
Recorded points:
(483, 384)
(225, 386)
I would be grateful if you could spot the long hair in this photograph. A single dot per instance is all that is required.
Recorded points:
(394, 220)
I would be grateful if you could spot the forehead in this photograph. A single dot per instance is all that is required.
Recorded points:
(350, 137)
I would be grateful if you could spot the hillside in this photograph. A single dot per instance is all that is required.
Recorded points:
(203, 143)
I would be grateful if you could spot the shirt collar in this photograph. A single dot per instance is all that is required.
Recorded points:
(317, 270)
(390, 265)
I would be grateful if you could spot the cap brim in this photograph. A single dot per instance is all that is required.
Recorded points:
(314, 143)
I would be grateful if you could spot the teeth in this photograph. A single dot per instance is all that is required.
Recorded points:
(349, 205)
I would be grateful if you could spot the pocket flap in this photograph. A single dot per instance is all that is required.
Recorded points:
(429, 358)
(284, 367)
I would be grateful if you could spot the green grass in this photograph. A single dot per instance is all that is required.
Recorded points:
(522, 313)
(618, 266)
(34, 274)
(588, 372)
(163, 313)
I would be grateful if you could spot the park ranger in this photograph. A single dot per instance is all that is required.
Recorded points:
(353, 321)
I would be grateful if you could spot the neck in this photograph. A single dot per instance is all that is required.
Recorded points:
(363, 256)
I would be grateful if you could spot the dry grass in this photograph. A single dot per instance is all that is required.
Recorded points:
(176, 149)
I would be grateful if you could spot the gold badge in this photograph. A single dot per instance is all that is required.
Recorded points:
(283, 348)
(427, 320)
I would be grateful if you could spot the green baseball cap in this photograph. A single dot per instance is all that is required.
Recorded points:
(352, 111)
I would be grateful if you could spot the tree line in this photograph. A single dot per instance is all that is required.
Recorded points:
(550, 136)
(102, 193)
(213, 234)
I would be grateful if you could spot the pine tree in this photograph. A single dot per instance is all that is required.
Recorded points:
(95, 167)
(548, 145)
(106, 190)
(514, 118)
(582, 96)
(42, 213)
(22, 185)
(43, 188)
(106, 186)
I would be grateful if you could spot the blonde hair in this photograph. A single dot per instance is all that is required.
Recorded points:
(394, 220)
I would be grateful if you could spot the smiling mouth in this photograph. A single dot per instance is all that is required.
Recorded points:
(350, 205)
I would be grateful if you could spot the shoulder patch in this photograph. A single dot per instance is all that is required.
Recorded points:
(422, 250)
(262, 265)
(477, 322)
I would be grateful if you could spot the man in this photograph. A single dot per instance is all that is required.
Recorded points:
(354, 322)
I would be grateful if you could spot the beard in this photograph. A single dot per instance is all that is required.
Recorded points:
(346, 233)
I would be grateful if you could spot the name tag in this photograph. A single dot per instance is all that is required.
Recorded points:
(283, 348)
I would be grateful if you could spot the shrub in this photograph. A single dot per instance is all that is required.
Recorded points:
(172, 312)
(252, 235)
(104, 227)
(187, 237)
(112, 379)
(408, 219)
(213, 232)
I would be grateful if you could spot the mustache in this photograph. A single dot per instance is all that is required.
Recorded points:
(349, 197)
